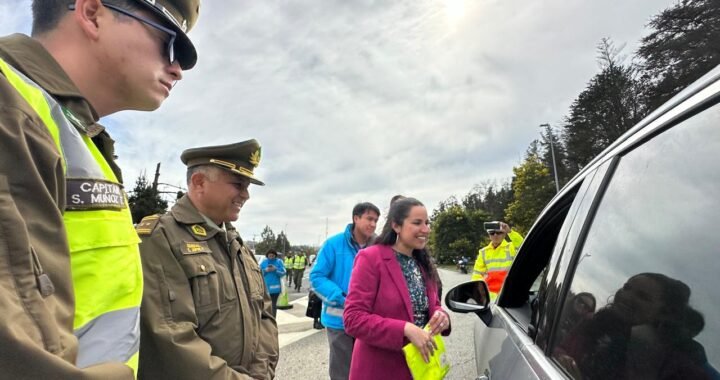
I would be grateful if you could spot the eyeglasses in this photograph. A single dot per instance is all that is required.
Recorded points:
(170, 43)
(495, 232)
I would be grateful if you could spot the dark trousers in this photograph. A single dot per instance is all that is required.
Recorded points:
(298, 275)
(289, 275)
(274, 298)
(341, 346)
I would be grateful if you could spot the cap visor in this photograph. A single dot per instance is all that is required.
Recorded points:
(185, 52)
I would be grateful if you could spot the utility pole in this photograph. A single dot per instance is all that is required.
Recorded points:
(157, 176)
(552, 153)
(285, 239)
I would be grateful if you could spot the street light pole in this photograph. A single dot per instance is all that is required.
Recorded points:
(552, 153)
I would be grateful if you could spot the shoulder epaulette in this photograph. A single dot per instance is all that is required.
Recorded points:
(147, 225)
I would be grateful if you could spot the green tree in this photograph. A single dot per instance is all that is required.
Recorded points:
(610, 105)
(532, 188)
(267, 241)
(684, 45)
(490, 198)
(281, 242)
(456, 231)
(145, 200)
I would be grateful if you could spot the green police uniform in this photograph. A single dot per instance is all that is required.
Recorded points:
(72, 282)
(206, 313)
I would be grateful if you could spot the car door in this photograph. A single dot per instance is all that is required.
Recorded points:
(640, 298)
(506, 348)
(629, 289)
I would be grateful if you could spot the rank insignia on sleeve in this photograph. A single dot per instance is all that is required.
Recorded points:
(147, 225)
(198, 230)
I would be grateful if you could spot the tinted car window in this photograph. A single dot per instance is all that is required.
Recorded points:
(644, 300)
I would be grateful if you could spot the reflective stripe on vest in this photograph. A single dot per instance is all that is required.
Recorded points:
(495, 263)
(104, 254)
(334, 311)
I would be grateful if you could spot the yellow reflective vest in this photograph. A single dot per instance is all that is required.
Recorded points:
(288, 262)
(493, 263)
(104, 254)
(299, 262)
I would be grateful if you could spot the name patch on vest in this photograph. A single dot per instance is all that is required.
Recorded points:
(93, 194)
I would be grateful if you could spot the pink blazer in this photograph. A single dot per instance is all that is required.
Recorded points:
(376, 309)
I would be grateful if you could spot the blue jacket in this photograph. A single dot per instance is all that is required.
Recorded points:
(272, 278)
(330, 276)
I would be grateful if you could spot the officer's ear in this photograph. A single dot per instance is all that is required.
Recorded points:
(198, 179)
(89, 15)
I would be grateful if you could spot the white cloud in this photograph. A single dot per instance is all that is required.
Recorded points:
(359, 100)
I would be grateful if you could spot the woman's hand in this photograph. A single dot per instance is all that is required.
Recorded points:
(439, 322)
(420, 339)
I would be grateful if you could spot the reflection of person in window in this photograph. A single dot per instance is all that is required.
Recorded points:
(578, 309)
(646, 332)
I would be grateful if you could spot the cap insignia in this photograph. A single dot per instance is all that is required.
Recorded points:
(198, 230)
(255, 157)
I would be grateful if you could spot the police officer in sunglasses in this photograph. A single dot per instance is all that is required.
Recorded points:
(72, 279)
(494, 260)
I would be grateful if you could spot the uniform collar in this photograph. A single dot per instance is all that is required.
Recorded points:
(502, 244)
(29, 57)
(184, 212)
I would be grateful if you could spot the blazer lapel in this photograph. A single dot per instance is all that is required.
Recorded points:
(397, 277)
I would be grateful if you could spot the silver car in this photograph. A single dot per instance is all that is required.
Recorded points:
(618, 278)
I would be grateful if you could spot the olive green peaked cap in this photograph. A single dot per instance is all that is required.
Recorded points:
(182, 16)
(240, 158)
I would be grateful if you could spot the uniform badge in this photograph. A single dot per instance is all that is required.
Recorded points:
(195, 247)
(255, 157)
(147, 225)
(198, 230)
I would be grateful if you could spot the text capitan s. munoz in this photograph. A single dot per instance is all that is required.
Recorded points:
(83, 194)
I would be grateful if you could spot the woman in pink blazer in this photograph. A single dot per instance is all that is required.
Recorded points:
(393, 294)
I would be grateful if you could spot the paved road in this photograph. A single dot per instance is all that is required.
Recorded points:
(307, 357)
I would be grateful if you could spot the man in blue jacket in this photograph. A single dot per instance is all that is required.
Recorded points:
(330, 278)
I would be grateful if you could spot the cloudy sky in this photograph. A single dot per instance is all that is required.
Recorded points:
(358, 100)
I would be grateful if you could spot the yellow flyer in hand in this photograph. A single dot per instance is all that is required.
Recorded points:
(435, 369)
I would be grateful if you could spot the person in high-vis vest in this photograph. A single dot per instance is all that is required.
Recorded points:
(299, 264)
(72, 287)
(493, 261)
(288, 262)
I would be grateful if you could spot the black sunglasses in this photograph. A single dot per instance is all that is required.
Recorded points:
(494, 232)
(170, 44)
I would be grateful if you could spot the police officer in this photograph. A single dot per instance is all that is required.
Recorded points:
(299, 264)
(289, 266)
(206, 313)
(72, 284)
(494, 260)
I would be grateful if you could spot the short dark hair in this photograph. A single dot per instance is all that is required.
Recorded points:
(48, 13)
(362, 208)
(274, 252)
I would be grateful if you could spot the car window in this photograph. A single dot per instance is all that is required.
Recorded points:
(643, 302)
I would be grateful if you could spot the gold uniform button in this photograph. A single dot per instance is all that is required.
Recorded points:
(202, 268)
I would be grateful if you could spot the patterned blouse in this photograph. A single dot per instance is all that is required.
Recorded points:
(416, 286)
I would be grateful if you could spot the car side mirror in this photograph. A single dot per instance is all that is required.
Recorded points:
(470, 297)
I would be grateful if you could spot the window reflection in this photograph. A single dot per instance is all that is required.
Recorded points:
(649, 264)
(645, 331)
